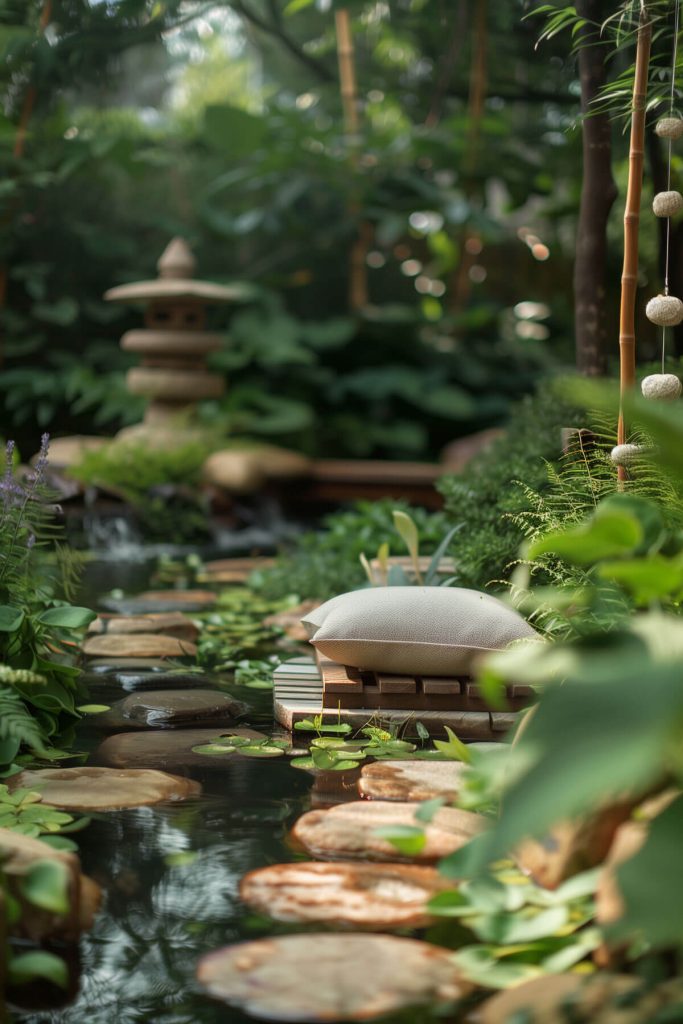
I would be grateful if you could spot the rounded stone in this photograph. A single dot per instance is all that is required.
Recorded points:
(372, 896)
(319, 977)
(104, 789)
(166, 749)
(170, 709)
(664, 310)
(137, 645)
(169, 624)
(151, 601)
(411, 780)
(669, 128)
(350, 831)
(236, 471)
(667, 204)
(174, 385)
(663, 386)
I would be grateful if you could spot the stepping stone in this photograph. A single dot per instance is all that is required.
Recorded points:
(349, 830)
(133, 680)
(307, 978)
(599, 999)
(104, 789)
(18, 854)
(169, 624)
(168, 709)
(410, 780)
(290, 620)
(233, 570)
(105, 666)
(375, 896)
(138, 645)
(168, 749)
(152, 601)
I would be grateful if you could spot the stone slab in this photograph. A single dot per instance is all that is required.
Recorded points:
(169, 709)
(410, 780)
(137, 645)
(167, 750)
(104, 789)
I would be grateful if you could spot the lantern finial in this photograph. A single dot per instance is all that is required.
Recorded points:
(177, 261)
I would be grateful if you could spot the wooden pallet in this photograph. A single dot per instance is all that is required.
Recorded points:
(298, 694)
(353, 688)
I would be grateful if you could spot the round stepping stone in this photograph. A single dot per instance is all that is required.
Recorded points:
(410, 780)
(134, 680)
(169, 624)
(350, 830)
(375, 896)
(152, 601)
(138, 645)
(557, 998)
(168, 749)
(308, 978)
(104, 789)
(108, 666)
(168, 709)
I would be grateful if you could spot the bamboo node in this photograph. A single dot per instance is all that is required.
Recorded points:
(664, 310)
(667, 204)
(663, 386)
(669, 127)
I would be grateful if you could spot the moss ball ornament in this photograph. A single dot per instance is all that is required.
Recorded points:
(662, 386)
(667, 204)
(664, 310)
(628, 454)
(669, 128)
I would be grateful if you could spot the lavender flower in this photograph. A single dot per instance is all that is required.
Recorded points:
(41, 461)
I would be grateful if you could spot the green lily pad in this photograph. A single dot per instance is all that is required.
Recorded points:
(214, 749)
(305, 763)
(308, 725)
(261, 750)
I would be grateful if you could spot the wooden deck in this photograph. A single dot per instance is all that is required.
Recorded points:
(298, 694)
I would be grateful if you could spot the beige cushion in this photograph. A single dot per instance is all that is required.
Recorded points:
(437, 631)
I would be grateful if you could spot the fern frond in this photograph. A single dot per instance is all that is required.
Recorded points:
(17, 725)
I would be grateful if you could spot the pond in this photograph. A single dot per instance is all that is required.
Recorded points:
(170, 876)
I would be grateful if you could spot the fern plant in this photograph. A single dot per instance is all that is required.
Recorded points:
(38, 691)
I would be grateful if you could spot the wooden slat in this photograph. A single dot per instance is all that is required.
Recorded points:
(434, 684)
(396, 684)
(340, 678)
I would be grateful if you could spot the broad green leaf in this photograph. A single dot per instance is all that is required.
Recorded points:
(607, 534)
(214, 749)
(261, 750)
(481, 965)
(10, 618)
(408, 839)
(46, 885)
(649, 882)
(407, 530)
(453, 748)
(451, 903)
(181, 858)
(428, 808)
(38, 963)
(647, 579)
(67, 617)
(93, 709)
(513, 928)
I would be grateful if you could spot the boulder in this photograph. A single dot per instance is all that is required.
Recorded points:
(236, 471)
(410, 780)
(19, 854)
(350, 830)
(137, 645)
(168, 749)
(157, 601)
(372, 896)
(308, 978)
(168, 709)
(104, 789)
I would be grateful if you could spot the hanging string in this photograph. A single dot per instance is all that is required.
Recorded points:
(677, 11)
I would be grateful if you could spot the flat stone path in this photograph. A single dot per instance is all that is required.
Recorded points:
(410, 780)
(169, 750)
(104, 789)
(167, 709)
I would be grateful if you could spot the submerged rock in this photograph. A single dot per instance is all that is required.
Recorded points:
(135, 680)
(168, 709)
(410, 780)
(104, 789)
(308, 978)
(168, 749)
(19, 853)
(168, 624)
(157, 601)
(350, 830)
(373, 896)
(138, 645)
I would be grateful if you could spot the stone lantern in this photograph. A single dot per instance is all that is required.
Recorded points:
(174, 344)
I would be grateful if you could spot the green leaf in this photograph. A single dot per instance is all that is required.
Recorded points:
(407, 530)
(38, 963)
(306, 763)
(233, 130)
(606, 534)
(481, 965)
(67, 617)
(649, 882)
(451, 903)
(214, 749)
(181, 858)
(648, 579)
(93, 709)
(428, 808)
(46, 885)
(453, 748)
(294, 6)
(408, 839)
(10, 618)
(512, 929)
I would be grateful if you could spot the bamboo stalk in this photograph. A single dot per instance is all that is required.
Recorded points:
(358, 272)
(629, 277)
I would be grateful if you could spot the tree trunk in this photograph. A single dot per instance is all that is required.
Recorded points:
(629, 277)
(598, 192)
